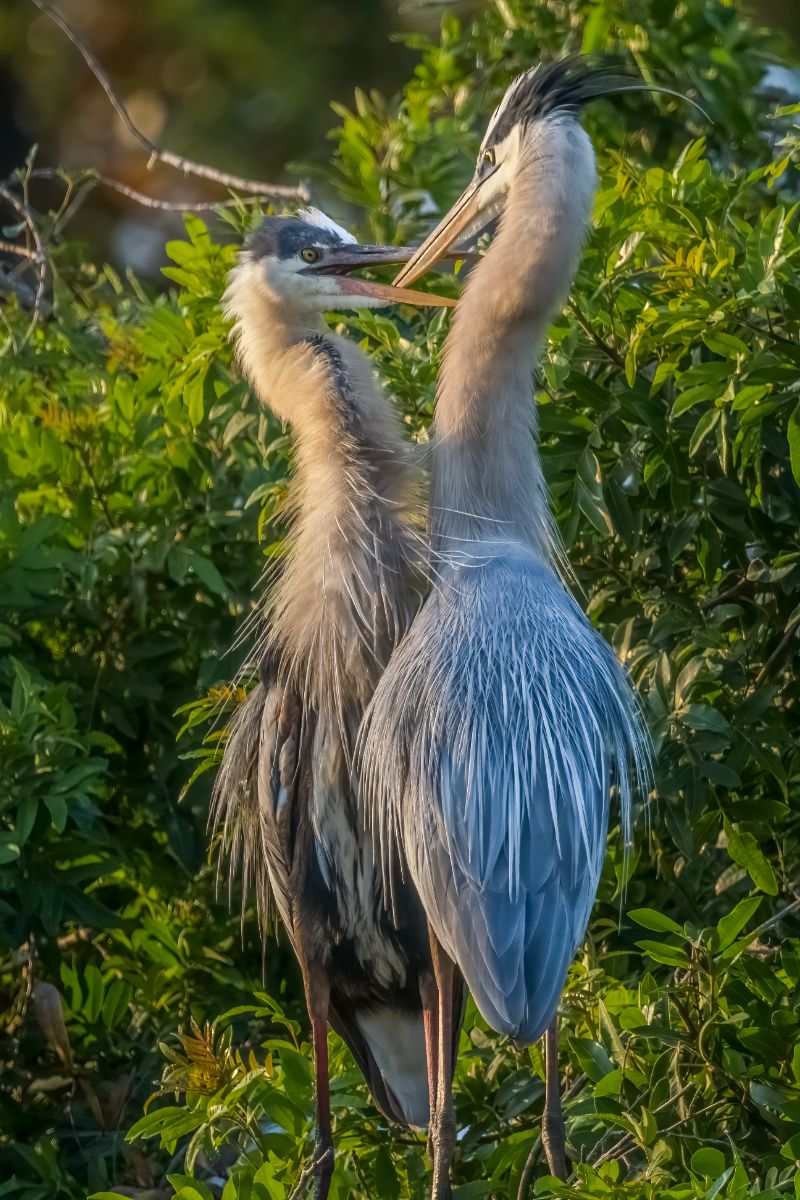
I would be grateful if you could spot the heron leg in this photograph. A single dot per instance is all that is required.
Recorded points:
(318, 997)
(443, 1122)
(430, 1024)
(553, 1137)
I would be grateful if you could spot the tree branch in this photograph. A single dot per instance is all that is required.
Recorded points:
(777, 653)
(187, 166)
(22, 251)
(175, 206)
(37, 258)
(12, 286)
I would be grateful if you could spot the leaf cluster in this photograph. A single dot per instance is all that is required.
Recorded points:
(141, 492)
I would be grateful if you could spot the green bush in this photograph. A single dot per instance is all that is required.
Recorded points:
(140, 496)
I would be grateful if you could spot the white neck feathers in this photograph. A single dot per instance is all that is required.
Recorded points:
(343, 596)
(486, 459)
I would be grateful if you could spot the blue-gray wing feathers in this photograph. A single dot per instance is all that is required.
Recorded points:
(488, 754)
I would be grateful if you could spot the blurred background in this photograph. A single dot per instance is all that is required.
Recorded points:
(244, 85)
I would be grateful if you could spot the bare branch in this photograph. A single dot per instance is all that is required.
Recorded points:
(11, 285)
(22, 251)
(779, 916)
(777, 653)
(187, 166)
(38, 259)
(88, 178)
(174, 206)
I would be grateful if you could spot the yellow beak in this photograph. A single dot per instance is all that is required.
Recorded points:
(439, 243)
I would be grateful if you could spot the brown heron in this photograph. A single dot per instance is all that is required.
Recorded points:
(495, 734)
(285, 798)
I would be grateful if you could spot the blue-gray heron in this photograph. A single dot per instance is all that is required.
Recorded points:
(503, 718)
(284, 799)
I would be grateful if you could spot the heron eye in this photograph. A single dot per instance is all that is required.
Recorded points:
(309, 254)
(488, 158)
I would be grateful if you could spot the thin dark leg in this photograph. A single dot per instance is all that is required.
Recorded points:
(443, 1125)
(553, 1138)
(323, 1149)
(430, 1024)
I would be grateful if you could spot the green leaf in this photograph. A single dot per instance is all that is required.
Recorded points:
(745, 850)
(793, 433)
(26, 817)
(796, 1062)
(57, 807)
(610, 1084)
(703, 716)
(731, 925)
(708, 1162)
(648, 918)
(116, 1002)
(386, 1181)
(188, 1188)
(297, 1069)
(662, 952)
(726, 344)
(706, 425)
(168, 1124)
(208, 573)
(693, 396)
(593, 1058)
(595, 30)
(193, 396)
(93, 1005)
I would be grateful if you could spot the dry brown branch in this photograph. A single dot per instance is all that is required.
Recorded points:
(187, 166)
(175, 206)
(87, 179)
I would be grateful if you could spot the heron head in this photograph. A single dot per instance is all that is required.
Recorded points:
(305, 263)
(536, 122)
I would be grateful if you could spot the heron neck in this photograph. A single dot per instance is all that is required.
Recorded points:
(487, 478)
(343, 596)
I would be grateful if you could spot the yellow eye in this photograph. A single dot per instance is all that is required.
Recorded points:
(309, 254)
(488, 158)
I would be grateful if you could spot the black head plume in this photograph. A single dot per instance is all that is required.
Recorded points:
(565, 85)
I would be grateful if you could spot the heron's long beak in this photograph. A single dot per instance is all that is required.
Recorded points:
(342, 260)
(461, 221)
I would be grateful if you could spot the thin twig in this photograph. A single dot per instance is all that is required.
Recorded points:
(98, 491)
(155, 154)
(22, 251)
(175, 206)
(666, 1104)
(39, 258)
(777, 653)
(589, 329)
(526, 1178)
(627, 1142)
(17, 287)
(784, 912)
(306, 1174)
(88, 178)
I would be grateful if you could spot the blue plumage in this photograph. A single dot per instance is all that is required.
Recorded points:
(489, 751)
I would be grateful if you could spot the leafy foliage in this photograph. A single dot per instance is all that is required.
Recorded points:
(140, 494)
